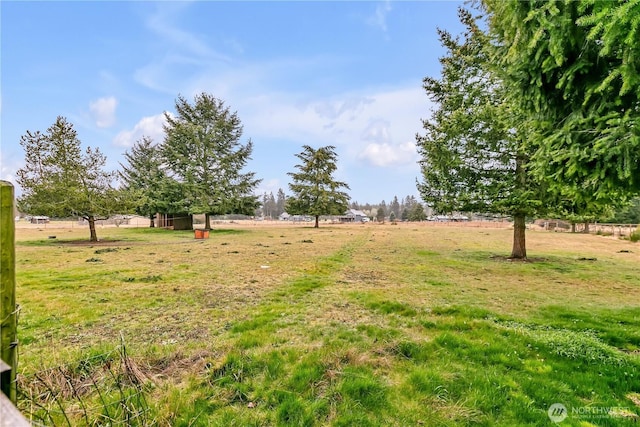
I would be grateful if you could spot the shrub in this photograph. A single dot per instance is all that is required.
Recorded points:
(635, 236)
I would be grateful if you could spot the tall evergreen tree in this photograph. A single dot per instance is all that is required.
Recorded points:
(417, 213)
(281, 200)
(394, 207)
(203, 151)
(145, 180)
(268, 205)
(574, 68)
(474, 155)
(383, 206)
(315, 191)
(60, 179)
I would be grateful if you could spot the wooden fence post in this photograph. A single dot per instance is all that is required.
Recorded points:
(8, 312)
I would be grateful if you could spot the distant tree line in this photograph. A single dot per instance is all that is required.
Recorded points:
(272, 207)
(406, 209)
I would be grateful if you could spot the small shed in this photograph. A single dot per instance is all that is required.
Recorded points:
(180, 221)
(39, 219)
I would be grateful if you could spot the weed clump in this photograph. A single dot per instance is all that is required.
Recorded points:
(105, 250)
(575, 345)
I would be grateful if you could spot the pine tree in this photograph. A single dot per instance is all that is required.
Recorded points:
(315, 191)
(474, 155)
(61, 180)
(268, 205)
(394, 207)
(281, 200)
(202, 149)
(145, 180)
(417, 213)
(383, 206)
(573, 69)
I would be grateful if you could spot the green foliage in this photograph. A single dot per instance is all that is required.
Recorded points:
(60, 180)
(146, 182)
(572, 67)
(629, 214)
(203, 152)
(417, 213)
(635, 236)
(473, 153)
(315, 191)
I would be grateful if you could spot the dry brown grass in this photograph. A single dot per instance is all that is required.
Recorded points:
(344, 296)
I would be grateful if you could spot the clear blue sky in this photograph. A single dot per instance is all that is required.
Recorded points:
(342, 73)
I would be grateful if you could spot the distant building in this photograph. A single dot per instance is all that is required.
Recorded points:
(354, 215)
(39, 219)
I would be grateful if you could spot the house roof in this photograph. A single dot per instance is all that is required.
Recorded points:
(355, 212)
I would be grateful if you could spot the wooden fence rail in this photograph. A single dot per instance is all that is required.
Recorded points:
(9, 415)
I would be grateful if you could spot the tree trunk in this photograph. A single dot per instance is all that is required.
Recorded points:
(152, 221)
(519, 250)
(92, 228)
(207, 222)
(573, 227)
(586, 228)
(317, 219)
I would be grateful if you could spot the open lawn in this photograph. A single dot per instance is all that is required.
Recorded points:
(345, 325)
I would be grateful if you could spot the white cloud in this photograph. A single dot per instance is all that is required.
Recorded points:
(365, 127)
(386, 154)
(161, 23)
(8, 168)
(365, 124)
(103, 111)
(333, 109)
(379, 19)
(268, 186)
(196, 54)
(378, 131)
(151, 127)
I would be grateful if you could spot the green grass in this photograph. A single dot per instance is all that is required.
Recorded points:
(340, 326)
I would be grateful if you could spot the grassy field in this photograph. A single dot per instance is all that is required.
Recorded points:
(345, 325)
